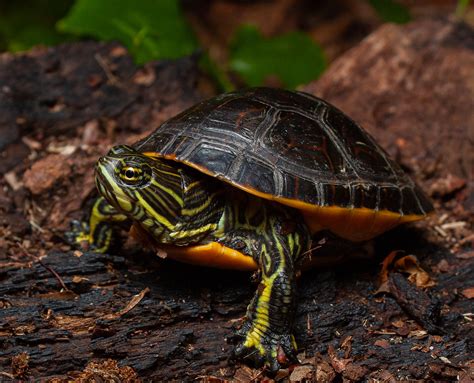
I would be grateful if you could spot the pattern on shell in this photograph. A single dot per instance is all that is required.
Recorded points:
(291, 145)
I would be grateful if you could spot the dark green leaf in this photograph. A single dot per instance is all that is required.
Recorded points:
(391, 11)
(218, 74)
(461, 7)
(293, 57)
(150, 29)
(26, 23)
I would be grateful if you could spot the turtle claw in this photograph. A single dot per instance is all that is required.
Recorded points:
(78, 236)
(273, 351)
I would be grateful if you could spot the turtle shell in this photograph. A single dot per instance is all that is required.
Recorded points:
(298, 150)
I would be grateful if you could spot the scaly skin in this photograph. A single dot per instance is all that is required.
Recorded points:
(177, 205)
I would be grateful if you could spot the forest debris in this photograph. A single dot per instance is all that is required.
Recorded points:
(346, 345)
(354, 373)
(131, 304)
(109, 371)
(407, 264)
(382, 343)
(466, 255)
(445, 360)
(32, 144)
(161, 253)
(79, 279)
(440, 231)
(415, 302)
(442, 266)
(468, 293)
(246, 374)
(108, 70)
(383, 275)
(64, 149)
(76, 325)
(13, 181)
(447, 185)
(382, 376)
(144, 76)
(418, 334)
(211, 379)
(45, 173)
(20, 364)
(91, 132)
(454, 225)
(325, 372)
(301, 374)
(339, 364)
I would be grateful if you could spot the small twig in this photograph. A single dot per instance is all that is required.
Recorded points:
(56, 275)
(110, 76)
(454, 225)
(48, 268)
(7, 374)
(260, 373)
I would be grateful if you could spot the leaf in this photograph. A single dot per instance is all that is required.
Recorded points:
(293, 57)
(150, 29)
(383, 275)
(462, 7)
(409, 264)
(391, 11)
(468, 293)
(31, 22)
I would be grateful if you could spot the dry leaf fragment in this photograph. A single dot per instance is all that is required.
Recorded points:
(161, 253)
(20, 365)
(301, 374)
(467, 255)
(419, 334)
(325, 372)
(13, 181)
(79, 279)
(382, 343)
(409, 264)
(339, 364)
(346, 345)
(468, 293)
(46, 173)
(383, 276)
(107, 371)
(246, 374)
(133, 302)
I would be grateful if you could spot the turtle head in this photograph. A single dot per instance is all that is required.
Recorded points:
(143, 187)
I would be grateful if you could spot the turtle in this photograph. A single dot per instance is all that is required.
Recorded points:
(244, 181)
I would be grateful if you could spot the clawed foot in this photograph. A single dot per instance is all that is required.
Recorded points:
(79, 235)
(265, 348)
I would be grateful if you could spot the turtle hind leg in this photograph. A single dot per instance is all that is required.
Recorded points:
(99, 232)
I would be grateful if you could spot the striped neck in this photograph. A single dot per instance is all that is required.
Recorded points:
(174, 204)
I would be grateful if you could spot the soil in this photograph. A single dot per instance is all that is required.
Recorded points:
(66, 314)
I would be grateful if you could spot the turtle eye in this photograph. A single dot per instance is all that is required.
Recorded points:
(131, 175)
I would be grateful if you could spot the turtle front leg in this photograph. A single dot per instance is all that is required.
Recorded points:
(98, 232)
(266, 333)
